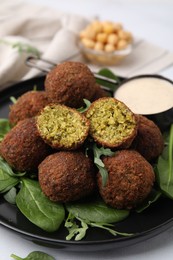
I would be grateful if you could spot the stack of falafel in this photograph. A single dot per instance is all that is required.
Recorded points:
(49, 134)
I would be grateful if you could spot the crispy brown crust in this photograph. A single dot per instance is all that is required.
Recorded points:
(23, 148)
(69, 83)
(77, 143)
(118, 145)
(130, 179)
(149, 140)
(67, 176)
(28, 105)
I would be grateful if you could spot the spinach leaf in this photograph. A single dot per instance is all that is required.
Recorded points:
(4, 127)
(5, 167)
(36, 255)
(96, 211)
(108, 74)
(94, 214)
(164, 169)
(79, 232)
(38, 208)
(10, 196)
(6, 181)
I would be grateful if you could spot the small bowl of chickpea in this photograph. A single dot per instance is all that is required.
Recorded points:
(105, 43)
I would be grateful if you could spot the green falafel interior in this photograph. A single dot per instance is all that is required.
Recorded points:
(62, 127)
(111, 122)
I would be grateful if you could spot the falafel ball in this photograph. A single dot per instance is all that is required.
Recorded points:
(130, 179)
(67, 176)
(112, 123)
(28, 105)
(23, 148)
(149, 140)
(69, 83)
(62, 127)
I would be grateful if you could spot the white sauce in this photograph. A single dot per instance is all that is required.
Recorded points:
(147, 95)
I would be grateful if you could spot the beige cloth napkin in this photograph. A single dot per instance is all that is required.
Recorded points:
(54, 34)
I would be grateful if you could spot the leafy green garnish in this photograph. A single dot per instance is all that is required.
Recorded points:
(78, 232)
(4, 127)
(110, 75)
(92, 214)
(36, 255)
(83, 109)
(13, 100)
(98, 152)
(164, 168)
(22, 47)
(153, 197)
(38, 208)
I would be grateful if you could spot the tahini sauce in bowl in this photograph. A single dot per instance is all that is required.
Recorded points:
(149, 95)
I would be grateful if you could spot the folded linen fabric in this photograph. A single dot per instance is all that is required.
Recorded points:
(27, 29)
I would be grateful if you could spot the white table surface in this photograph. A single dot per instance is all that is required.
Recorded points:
(149, 19)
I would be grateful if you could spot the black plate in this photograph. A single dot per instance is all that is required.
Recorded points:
(156, 219)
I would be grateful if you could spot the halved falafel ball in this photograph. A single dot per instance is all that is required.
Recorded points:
(28, 105)
(69, 83)
(130, 179)
(23, 148)
(62, 127)
(149, 140)
(67, 176)
(112, 123)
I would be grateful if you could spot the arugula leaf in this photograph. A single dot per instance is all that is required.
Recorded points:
(153, 197)
(98, 152)
(164, 168)
(35, 255)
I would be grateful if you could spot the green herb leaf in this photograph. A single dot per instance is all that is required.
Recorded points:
(98, 152)
(38, 208)
(10, 196)
(83, 109)
(96, 211)
(4, 127)
(109, 74)
(36, 255)
(164, 169)
(153, 197)
(13, 100)
(7, 180)
(5, 167)
(93, 214)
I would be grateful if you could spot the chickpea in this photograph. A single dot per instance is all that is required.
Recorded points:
(109, 47)
(97, 26)
(88, 43)
(112, 38)
(122, 44)
(108, 27)
(101, 37)
(99, 46)
(118, 26)
(88, 33)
